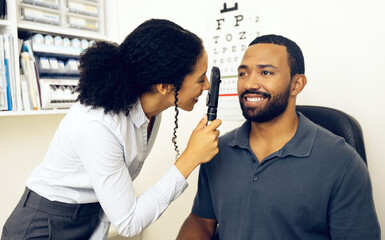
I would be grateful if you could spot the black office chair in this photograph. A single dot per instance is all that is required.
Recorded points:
(339, 123)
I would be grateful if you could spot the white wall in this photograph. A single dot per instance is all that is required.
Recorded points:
(23, 143)
(343, 43)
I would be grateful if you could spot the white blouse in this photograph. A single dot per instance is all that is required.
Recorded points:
(94, 157)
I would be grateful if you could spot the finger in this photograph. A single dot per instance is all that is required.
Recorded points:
(202, 123)
(214, 124)
(217, 132)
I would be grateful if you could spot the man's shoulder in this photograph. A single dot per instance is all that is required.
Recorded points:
(322, 136)
(331, 146)
(228, 136)
(328, 138)
(235, 134)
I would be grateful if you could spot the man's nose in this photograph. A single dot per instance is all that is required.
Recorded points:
(252, 82)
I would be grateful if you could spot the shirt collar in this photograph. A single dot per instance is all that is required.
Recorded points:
(241, 136)
(302, 142)
(300, 145)
(137, 115)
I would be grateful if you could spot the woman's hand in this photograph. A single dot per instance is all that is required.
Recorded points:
(201, 148)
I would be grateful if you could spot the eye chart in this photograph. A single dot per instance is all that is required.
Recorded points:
(232, 25)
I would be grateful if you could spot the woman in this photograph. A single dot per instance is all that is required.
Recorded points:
(101, 144)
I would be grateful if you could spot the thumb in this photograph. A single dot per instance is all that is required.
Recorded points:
(202, 123)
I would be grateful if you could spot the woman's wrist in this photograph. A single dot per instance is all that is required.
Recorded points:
(185, 164)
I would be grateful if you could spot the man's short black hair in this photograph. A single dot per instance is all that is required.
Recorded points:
(295, 56)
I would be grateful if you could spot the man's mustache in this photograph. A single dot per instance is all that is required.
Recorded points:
(254, 91)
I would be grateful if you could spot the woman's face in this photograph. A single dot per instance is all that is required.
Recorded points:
(194, 84)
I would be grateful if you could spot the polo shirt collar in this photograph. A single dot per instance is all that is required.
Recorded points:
(300, 145)
(241, 136)
(137, 115)
(302, 142)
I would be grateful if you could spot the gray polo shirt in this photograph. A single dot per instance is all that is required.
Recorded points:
(315, 187)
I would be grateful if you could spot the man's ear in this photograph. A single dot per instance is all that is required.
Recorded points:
(164, 89)
(298, 83)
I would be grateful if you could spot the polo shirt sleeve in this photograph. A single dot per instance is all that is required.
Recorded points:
(352, 213)
(202, 206)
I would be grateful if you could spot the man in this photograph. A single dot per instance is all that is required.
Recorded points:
(280, 176)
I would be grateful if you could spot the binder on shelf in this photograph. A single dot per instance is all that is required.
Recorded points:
(28, 64)
(35, 72)
(28, 76)
(15, 82)
(7, 69)
(13, 87)
(26, 98)
(3, 9)
(3, 80)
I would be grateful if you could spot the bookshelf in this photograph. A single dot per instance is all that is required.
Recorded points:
(71, 19)
(32, 113)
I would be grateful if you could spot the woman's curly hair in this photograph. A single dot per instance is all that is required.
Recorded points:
(158, 51)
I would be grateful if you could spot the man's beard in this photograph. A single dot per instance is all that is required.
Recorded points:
(273, 108)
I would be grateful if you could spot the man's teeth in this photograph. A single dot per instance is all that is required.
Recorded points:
(254, 99)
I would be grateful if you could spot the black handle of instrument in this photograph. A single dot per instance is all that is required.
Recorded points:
(213, 94)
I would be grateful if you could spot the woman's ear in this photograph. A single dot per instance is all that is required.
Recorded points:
(164, 89)
(298, 84)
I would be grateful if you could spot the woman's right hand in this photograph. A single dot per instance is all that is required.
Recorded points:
(201, 147)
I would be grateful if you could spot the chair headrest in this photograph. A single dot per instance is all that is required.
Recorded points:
(339, 123)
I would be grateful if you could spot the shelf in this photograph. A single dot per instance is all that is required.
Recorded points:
(5, 23)
(75, 18)
(37, 27)
(32, 113)
(53, 50)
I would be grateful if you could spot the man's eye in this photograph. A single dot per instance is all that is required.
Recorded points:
(266, 73)
(241, 74)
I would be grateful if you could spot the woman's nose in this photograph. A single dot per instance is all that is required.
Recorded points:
(206, 86)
